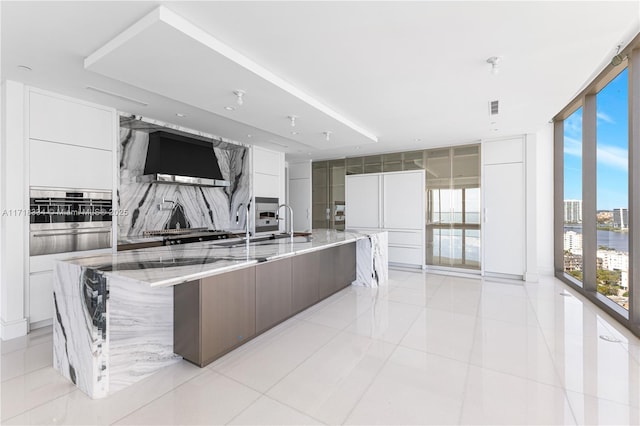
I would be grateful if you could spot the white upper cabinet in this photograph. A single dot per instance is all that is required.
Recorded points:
(363, 201)
(59, 119)
(503, 151)
(58, 165)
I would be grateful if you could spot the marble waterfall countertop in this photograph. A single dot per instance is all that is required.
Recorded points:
(171, 265)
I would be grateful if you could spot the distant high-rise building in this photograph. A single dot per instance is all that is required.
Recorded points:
(621, 218)
(573, 211)
(573, 242)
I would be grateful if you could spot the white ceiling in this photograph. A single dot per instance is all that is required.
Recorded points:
(402, 70)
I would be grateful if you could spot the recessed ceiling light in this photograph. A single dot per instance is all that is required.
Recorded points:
(229, 108)
(248, 136)
(357, 147)
(417, 140)
(179, 114)
(294, 133)
(24, 67)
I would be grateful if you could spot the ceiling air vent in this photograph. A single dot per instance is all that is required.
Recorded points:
(493, 108)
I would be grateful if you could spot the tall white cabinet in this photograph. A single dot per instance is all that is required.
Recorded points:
(508, 233)
(393, 202)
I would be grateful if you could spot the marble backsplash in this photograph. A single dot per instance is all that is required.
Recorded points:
(188, 206)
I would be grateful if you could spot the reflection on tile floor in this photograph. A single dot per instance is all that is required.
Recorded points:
(426, 349)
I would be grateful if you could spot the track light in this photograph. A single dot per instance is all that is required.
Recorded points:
(327, 135)
(292, 118)
(239, 94)
(495, 64)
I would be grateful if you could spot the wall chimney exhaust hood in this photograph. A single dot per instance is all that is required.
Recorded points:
(181, 160)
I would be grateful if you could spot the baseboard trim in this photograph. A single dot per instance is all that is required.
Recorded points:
(13, 329)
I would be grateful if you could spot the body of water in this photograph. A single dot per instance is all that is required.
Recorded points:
(615, 240)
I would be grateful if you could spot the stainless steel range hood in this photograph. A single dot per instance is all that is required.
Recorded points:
(181, 180)
(177, 159)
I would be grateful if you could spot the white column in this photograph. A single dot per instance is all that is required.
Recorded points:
(13, 221)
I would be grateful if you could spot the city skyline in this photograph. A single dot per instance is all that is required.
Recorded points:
(612, 148)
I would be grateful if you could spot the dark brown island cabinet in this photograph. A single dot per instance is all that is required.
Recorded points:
(216, 314)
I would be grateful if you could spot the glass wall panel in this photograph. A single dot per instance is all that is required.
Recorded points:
(612, 190)
(573, 195)
(453, 207)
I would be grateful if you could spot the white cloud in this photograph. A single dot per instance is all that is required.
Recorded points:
(603, 116)
(572, 146)
(613, 157)
(573, 125)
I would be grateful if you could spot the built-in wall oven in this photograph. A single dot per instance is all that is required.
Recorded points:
(266, 208)
(67, 220)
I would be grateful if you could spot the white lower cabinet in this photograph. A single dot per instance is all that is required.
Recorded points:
(40, 296)
(41, 282)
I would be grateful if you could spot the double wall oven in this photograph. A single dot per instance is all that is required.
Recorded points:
(68, 220)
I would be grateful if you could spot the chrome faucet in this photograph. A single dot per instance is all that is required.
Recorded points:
(290, 216)
(246, 218)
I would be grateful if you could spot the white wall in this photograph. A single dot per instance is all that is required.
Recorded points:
(544, 211)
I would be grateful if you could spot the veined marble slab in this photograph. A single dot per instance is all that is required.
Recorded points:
(372, 260)
(109, 333)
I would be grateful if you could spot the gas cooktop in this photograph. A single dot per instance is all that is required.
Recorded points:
(188, 235)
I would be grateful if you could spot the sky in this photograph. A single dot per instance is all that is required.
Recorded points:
(612, 142)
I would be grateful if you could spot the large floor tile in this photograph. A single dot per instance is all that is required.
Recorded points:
(328, 384)
(32, 389)
(266, 411)
(461, 296)
(413, 388)
(496, 398)
(412, 296)
(513, 349)
(599, 368)
(76, 408)
(590, 410)
(515, 309)
(35, 337)
(262, 364)
(386, 320)
(343, 311)
(442, 333)
(31, 358)
(209, 398)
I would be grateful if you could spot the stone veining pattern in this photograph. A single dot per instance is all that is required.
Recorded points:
(190, 206)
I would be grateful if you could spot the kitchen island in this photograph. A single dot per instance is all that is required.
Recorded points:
(115, 317)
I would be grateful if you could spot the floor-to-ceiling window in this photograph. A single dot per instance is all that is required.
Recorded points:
(612, 190)
(573, 195)
(593, 152)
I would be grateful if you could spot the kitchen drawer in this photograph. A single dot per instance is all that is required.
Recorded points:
(62, 120)
(40, 296)
(46, 262)
(403, 238)
(406, 255)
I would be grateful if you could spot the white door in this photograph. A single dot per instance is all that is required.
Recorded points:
(403, 200)
(362, 201)
(504, 221)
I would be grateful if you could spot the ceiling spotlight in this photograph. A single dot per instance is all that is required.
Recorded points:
(495, 64)
(327, 135)
(417, 140)
(294, 133)
(229, 108)
(239, 93)
(249, 136)
(292, 118)
(179, 114)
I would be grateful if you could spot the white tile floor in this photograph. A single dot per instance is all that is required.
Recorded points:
(426, 349)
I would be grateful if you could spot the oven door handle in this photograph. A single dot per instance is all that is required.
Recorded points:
(53, 234)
